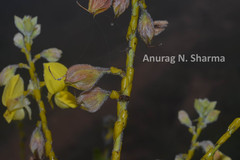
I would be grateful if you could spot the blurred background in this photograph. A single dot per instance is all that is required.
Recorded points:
(160, 90)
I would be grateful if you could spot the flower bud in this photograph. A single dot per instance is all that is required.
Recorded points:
(52, 54)
(159, 26)
(204, 106)
(28, 26)
(18, 40)
(65, 99)
(19, 23)
(34, 21)
(119, 6)
(212, 116)
(184, 118)
(7, 73)
(36, 31)
(37, 142)
(84, 76)
(146, 27)
(92, 100)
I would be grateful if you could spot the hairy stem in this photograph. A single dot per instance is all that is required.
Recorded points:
(126, 84)
(231, 129)
(37, 96)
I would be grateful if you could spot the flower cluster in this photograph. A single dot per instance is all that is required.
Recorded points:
(207, 114)
(14, 97)
(81, 77)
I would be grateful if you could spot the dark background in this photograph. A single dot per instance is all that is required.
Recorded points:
(160, 90)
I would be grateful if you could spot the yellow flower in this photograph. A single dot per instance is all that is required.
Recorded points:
(55, 82)
(14, 99)
(65, 99)
(54, 76)
(13, 89)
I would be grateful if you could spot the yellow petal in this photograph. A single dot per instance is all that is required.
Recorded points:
(19, 114)
(9, 115)
(65, 99)
(13, 89)
(54, 76)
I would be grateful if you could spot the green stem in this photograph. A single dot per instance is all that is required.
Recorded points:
(194, 143)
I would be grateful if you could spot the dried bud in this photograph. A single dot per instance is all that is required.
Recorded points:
(7, 73)
(146, 27)
(212, 116)
(119, 6)
(97, 6)
(37, 142)
(53, 76)
(184, 118)
(18, 40)
(159, 27)
(52, 54)
(84, 76)
(65, 99)
(92, 100)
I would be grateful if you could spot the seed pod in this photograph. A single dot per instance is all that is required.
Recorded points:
(92, 100)
(119, 6)
(146, 27)
(84, 76)
(97, 6)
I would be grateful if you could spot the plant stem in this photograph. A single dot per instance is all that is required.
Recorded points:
(126, 84)
(231, 129)
(37, 96)
(194, 142)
